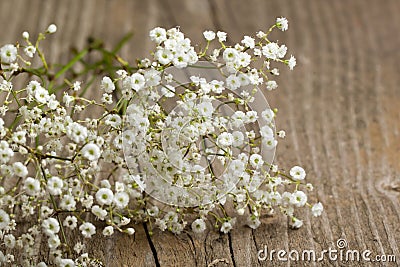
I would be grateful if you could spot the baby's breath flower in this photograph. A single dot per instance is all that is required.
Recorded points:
(4, 219)
(67, 263)
(104, 196)
(282, 24)
(198, 226)
(32, 186)
(51, 226)
(209, 35)
(30, 50)
(291, 62)
(248, 42)
(87, 229)
(296, 223)
(297, 173)
(91, 152)
(130, 231)
(8, 53)
(317, 209)
(221, 36)
(52, 28)
(271, 85)
(158, 35)
(70, 222)
(20, 169)
(108, 231)
(226, 227)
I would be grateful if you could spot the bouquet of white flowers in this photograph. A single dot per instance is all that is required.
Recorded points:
(182, 137)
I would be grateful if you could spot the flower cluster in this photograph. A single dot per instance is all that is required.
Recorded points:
(165, 150)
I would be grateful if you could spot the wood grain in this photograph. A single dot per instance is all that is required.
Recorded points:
(340, 108)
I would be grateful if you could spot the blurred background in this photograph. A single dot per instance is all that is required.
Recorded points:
(339, 107)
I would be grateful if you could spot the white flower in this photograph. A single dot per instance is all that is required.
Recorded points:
(281, 51)
(9, 241)
(4, 219)
(271, 50)
(32, 186)
(158, 35)
(52, 28)
(130, 231)
(256, 161)
(282, 23)
(20, 169)
(67, 99)
(297, 173)
(91, 152)
(25, 35)
(248, 42)
(51, 226)
(104, 196)
(99, 212)
(238, 138)
(251, 116)
(54, 185)
(291, 62)
(253, 222)
(76, 86)
(121, 200)
(269, 143)
(281, 134)
(108, 231)
(261, 34)
(268, 115)
(8, 53)
(221, 36)
(296, 223)
(70, 222)
(233, 82)
(19, 137)
(87, 229)
(164, 56)
(53, 242)
(30, 50)
(237, 167)
(271, 85)
(198, 226)
(119, 187)
(226, 227)
(68, 203)
(209, 35)
(317, 209)
(67, 263)
(152, 77)
(299, 199)
(230, 55)
(6, 153)
(205, 109)
(266, 132)
(76, 132)
(225, 139)
(107, 99)
(107, 85)
(137, 81)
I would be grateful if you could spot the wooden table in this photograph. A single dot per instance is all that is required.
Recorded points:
(340, 108)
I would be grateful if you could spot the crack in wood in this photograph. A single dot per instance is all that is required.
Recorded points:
(151, 244)
(231, 249)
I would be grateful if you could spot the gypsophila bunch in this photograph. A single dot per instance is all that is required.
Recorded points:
(177, 141)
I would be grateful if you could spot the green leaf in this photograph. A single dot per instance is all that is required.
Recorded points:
(71, 63)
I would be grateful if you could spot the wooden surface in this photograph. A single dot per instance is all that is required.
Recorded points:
(340, 108)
